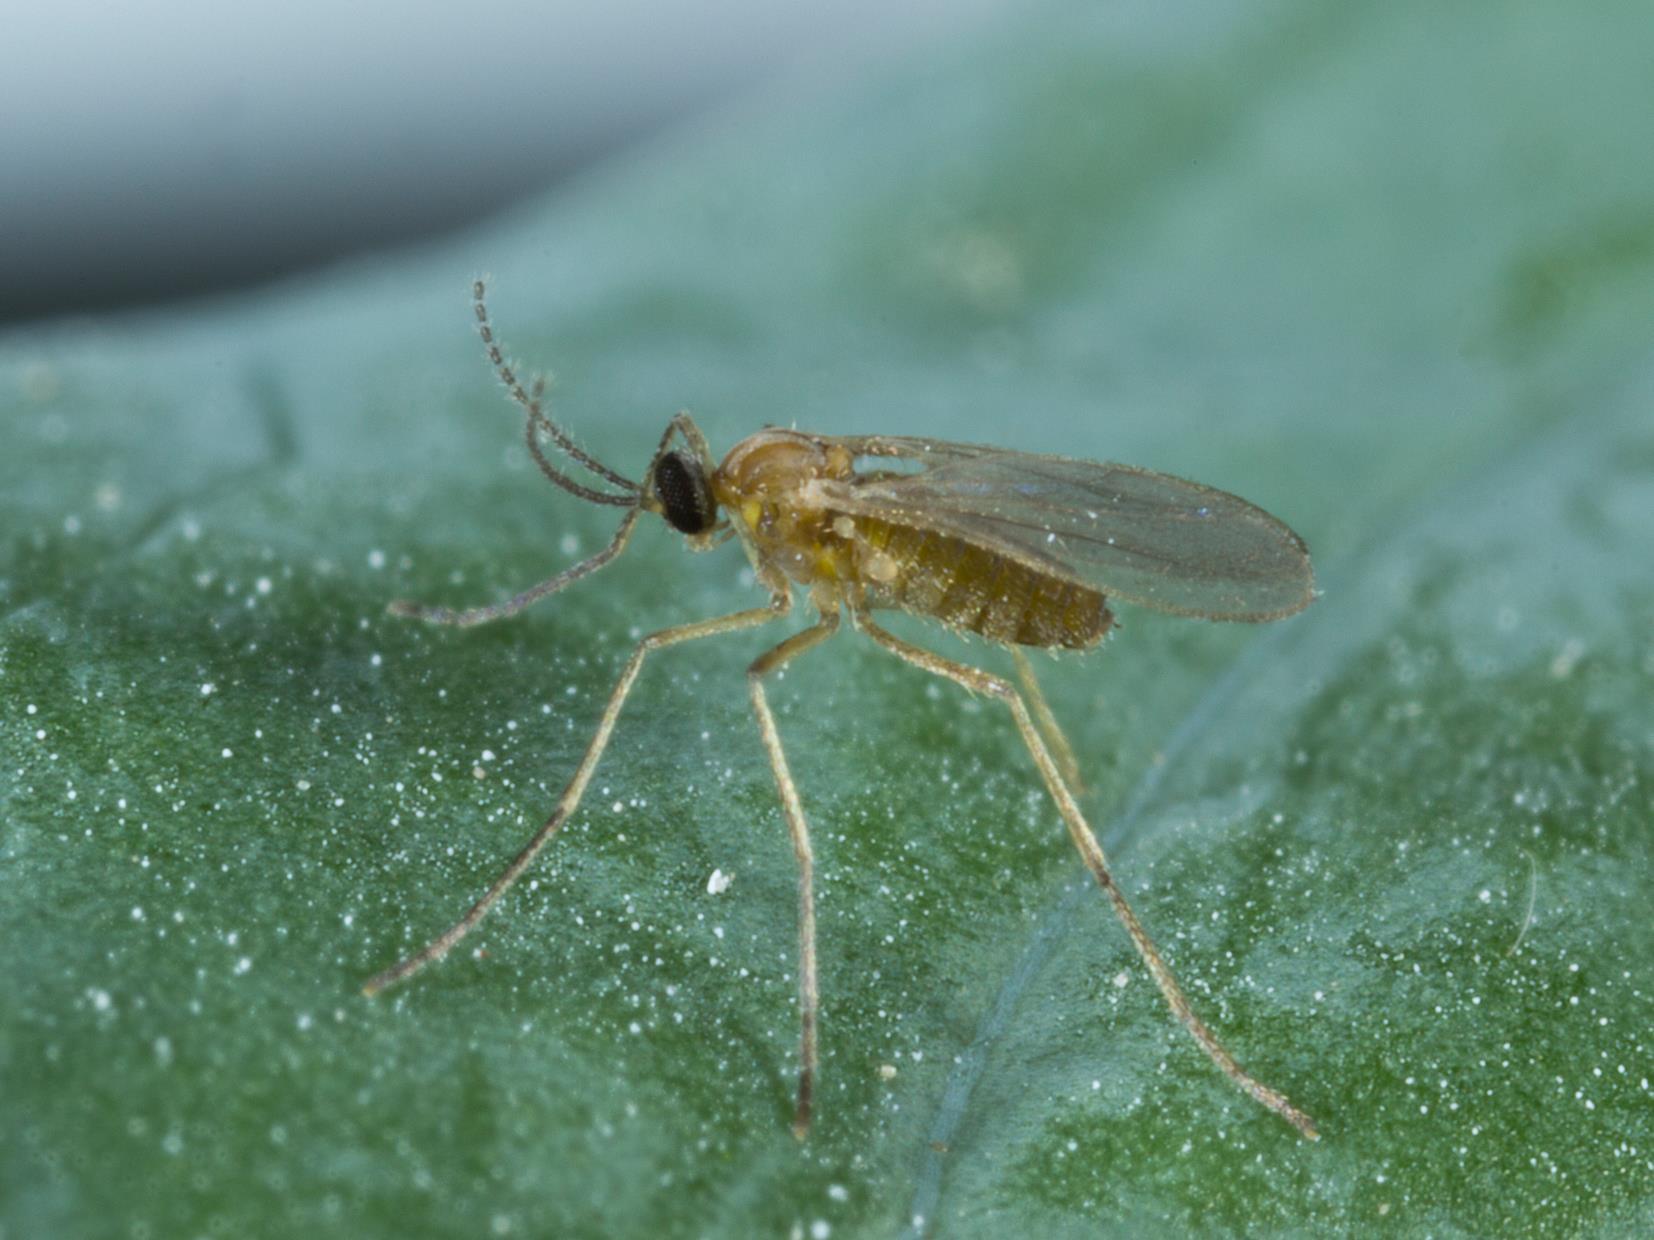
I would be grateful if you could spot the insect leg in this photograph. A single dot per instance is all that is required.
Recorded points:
(1048, 725)
(566, 804)
(761, 667)
(978, 681)
(499, 611)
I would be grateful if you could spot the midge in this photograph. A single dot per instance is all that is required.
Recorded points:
(1023, 550)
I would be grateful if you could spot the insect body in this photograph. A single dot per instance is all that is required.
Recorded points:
(811, 513)
(1021, 549)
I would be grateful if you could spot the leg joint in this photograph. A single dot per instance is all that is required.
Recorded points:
(791, 648)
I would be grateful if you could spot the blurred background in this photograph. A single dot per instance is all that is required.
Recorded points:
(163, 148)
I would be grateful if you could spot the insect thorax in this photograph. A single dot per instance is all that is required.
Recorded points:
(764, 483)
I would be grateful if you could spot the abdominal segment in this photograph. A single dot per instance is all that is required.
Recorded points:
(974, 589)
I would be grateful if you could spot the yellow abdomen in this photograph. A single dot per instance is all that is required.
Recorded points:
(979, 591)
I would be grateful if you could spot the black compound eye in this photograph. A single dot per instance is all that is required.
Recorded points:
(681, 486)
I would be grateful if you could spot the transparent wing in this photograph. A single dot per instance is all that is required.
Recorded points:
(1130, 533)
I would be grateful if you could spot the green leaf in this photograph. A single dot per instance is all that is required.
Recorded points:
(1387, 271)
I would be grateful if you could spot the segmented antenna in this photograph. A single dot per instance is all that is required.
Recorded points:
(538, 423)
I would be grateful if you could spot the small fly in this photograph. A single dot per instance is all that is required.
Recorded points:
(1021, 549)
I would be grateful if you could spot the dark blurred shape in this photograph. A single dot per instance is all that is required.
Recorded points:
(174, 147)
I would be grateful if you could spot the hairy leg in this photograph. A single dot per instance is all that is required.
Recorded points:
(1048, 725)
(567, 803)
(978, 681)
(499, 611)
(791, 807)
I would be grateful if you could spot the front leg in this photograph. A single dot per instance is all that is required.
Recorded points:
(433, 614)
(438, 947)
